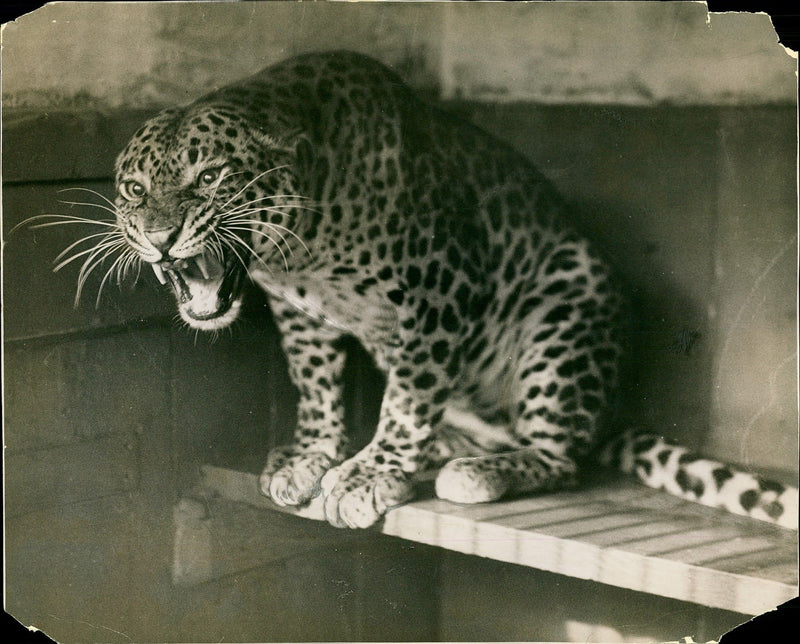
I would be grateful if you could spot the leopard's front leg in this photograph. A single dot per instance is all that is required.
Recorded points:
(293, 472)
(360, 490)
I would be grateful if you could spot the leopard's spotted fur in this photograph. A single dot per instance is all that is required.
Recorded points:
(362, 211)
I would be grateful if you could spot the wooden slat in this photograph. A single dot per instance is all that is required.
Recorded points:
(555, 516)
(620, 534)
(725, 548)
(605, 523)
(655, 527)
(783, 572)
(767, 563)
(676, 541)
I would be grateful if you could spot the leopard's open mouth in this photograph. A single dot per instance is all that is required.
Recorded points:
(207, 288)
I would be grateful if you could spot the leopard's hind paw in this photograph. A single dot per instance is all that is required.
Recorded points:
(468, 480)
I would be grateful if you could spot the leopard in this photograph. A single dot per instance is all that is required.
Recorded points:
(362, 211)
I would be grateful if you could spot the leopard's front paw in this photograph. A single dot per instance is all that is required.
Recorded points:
(357, 495)
(293, 479)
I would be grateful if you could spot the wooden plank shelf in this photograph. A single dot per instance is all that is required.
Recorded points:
(619, 533)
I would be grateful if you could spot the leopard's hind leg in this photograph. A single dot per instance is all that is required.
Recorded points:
(559, 388)
(478, 479)
(552, 423)
(538, 456)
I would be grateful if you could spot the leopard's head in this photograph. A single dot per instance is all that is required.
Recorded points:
(202, 197)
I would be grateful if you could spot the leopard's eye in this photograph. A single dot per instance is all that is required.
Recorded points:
(208, 177)
(132, 190)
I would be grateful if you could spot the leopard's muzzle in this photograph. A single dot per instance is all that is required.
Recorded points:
(208, 288)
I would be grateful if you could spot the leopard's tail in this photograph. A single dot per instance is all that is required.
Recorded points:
(673, 468)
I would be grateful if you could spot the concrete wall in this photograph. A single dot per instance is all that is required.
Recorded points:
(633, 53)
(639, 53)
(145, 54)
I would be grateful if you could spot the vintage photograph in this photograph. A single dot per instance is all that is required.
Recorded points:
(398, 321)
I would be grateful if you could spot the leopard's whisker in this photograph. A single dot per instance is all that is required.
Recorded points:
(265, 235)
(285, 210)
(252, 251)
(122, 267)
(92, 262)
(112, 210)
(111, 243)
(271, 197)
(216, 248)
(276, 227)
(131, 260)
(98, 254)
(110, 271)
(61, 220)
(212, 196)
(90, 191)
(250, 183)
(135, 244)
(276, 208)
(225, 241)
(106, 234)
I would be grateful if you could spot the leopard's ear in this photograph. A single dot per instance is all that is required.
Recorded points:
(267, 140)
(296, 142)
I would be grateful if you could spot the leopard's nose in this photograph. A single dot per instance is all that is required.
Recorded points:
(162, 238)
